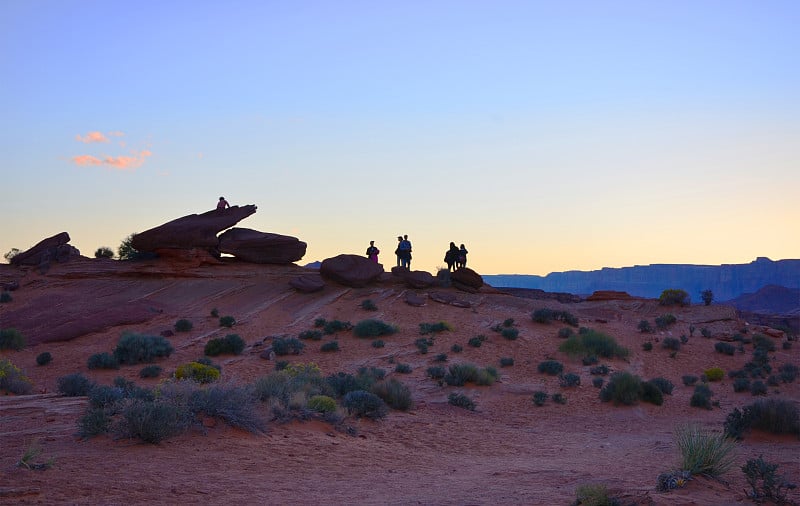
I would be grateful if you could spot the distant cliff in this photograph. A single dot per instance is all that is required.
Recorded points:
(726, 281)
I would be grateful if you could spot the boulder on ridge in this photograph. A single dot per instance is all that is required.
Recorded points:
(466, 279)
(261, 247)
(351, 270)
(49, 249)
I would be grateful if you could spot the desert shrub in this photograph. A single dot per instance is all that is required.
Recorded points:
(540, 397)
(741, 384)
(135, 348)
(321, 404)
(707, 296)
(665, 320)
(663, 384)
(227, 321)
(551, 367)
(701, 397)
(215, 313)
(434, 328)
(275, 386)
(684, 339)
(564, 332)
(44, 358)
(714, 374)
(101, 396)
(569, 380)
(150, 371)
(476, 341)
(441, 357)
(593, 343)
(594, 495)
(364, 405)
(773, 380)
(689, 380)
(765, 483)
(11, 339)
(126, 251)
(590, 360)
(758, 388)
(373, 328)
(545, 315)
(394, 393)
(13, 380)
(510, 333)
(231, 344)
(287, 346)
(320, 322)
(760, 341)
(197, 372)
(402, 369)
(5, 297)
(674, 297)
(644, 327)
(368, 305)
(652, 394)
(314, 335)
(461, 401)
(341, 383)
(423, 343)
(776, 416)
(183, 325)
(704, 452)
(647, 346)
(456, 348)
(705, 333)
(104, 252)
(209, 362)
(234, 405)
(671, 343)
(93, 422)
(506, 361)
(334, 326)
(102, 361)
(559, 398)
(598, 382)
(788, 373)
(378, 343)
(152, 421)
(74, 385)
(599, 370)
(461, 374)
(726, 348)
(330, 346)
(436, 372)
(622, 388)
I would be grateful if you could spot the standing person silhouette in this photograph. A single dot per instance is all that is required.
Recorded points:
(462, 257)
(398, 252)
(451, 257)
(405, 252)
(373, 252)
(222, 204)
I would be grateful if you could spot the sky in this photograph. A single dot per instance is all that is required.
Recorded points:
(545, 136)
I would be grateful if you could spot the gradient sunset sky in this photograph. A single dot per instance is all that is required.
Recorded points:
(545, 135)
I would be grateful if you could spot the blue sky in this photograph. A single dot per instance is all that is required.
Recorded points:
(546, 136)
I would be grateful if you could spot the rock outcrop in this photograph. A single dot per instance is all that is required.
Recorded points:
(466, 279)
(351, 270)
(414, 279)
(55, 248)
(261, 247)
(193, 231)
(308, 283)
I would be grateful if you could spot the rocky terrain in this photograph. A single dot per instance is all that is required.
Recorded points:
(506, 451)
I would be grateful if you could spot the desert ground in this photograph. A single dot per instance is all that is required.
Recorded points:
(506, 451)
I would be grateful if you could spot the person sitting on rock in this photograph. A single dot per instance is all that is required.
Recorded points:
(222, 204)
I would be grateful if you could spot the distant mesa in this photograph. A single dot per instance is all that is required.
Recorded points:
(351, 270)
(609, 295)
(52, 249)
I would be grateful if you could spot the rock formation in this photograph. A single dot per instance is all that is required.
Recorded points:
(55, 248)
(261, 247)
(351, 270)
(466, 279)
(308, 283)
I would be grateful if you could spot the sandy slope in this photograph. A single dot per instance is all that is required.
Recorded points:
(506, 452)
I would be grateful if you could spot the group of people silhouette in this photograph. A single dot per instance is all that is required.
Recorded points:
(455, 258)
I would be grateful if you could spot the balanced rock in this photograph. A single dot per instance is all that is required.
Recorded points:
(309, 283)
(351, 270)
(261, 247)
(55, 248)
(466, 279)
(193, 231)
(418, 279)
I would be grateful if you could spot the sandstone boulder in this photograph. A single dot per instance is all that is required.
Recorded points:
(418, 279)
(466, 279)
(351, 270)
(193, 231)
(261, 247)
(412, 299)
(307, 284)
(55, 248)
(442, 297)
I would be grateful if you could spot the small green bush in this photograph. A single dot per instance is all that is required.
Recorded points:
(551, 367)
(11, 339)
(758, 388)
(365, 405)
(287, 346)
(506, 361)
(707, 296)
(5, 297)
(599, 370)
(227, 321)
(714, 374)
(402, 369)
(101, 396)
(456, 348)
(461, 401)
(394, 393)
(135, 348)
(765, 483)
(13, 380)
(704, 452)
(788, 372)
(622, 388)
(321, 404)
(378, 343)
(215, 313)
(436, 372)
(569, 380)
(595, 343)
(559, 398)
(652, 394)
(726, 348)
(197, 372)
(671, 343)
(598, 382)
(94, 422)
(434, 328)
(564, 332)
(540, 397)
(689, 380)
(183, 325)
(741, 385)
(150, 371)
(334, 326)
(645, 327)
(701, 397)
(461, 374)
(373, 328)
(422, 344)
(102, 361)
(665, 320)
(545, 315)
(776, 416)
(44, 358)
(153, 422)
(647, 346)
(231, 344)
(314, 335)
(441, 357)
(476, 341)
(663, 384)
(594, 495)
(674, 297)
(330, 346)
(510, 333)
(74, 385)
(368, 305)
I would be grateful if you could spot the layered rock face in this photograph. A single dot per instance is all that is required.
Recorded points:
(261, 247)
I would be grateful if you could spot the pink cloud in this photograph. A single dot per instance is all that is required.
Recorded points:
(92, 137)
(86, 160)
(116, 162)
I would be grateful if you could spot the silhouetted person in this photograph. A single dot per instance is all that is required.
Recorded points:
(462, 257)
(373, 252)
(397, 251)
(451, 257)
(404, 249)
(222, 204)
